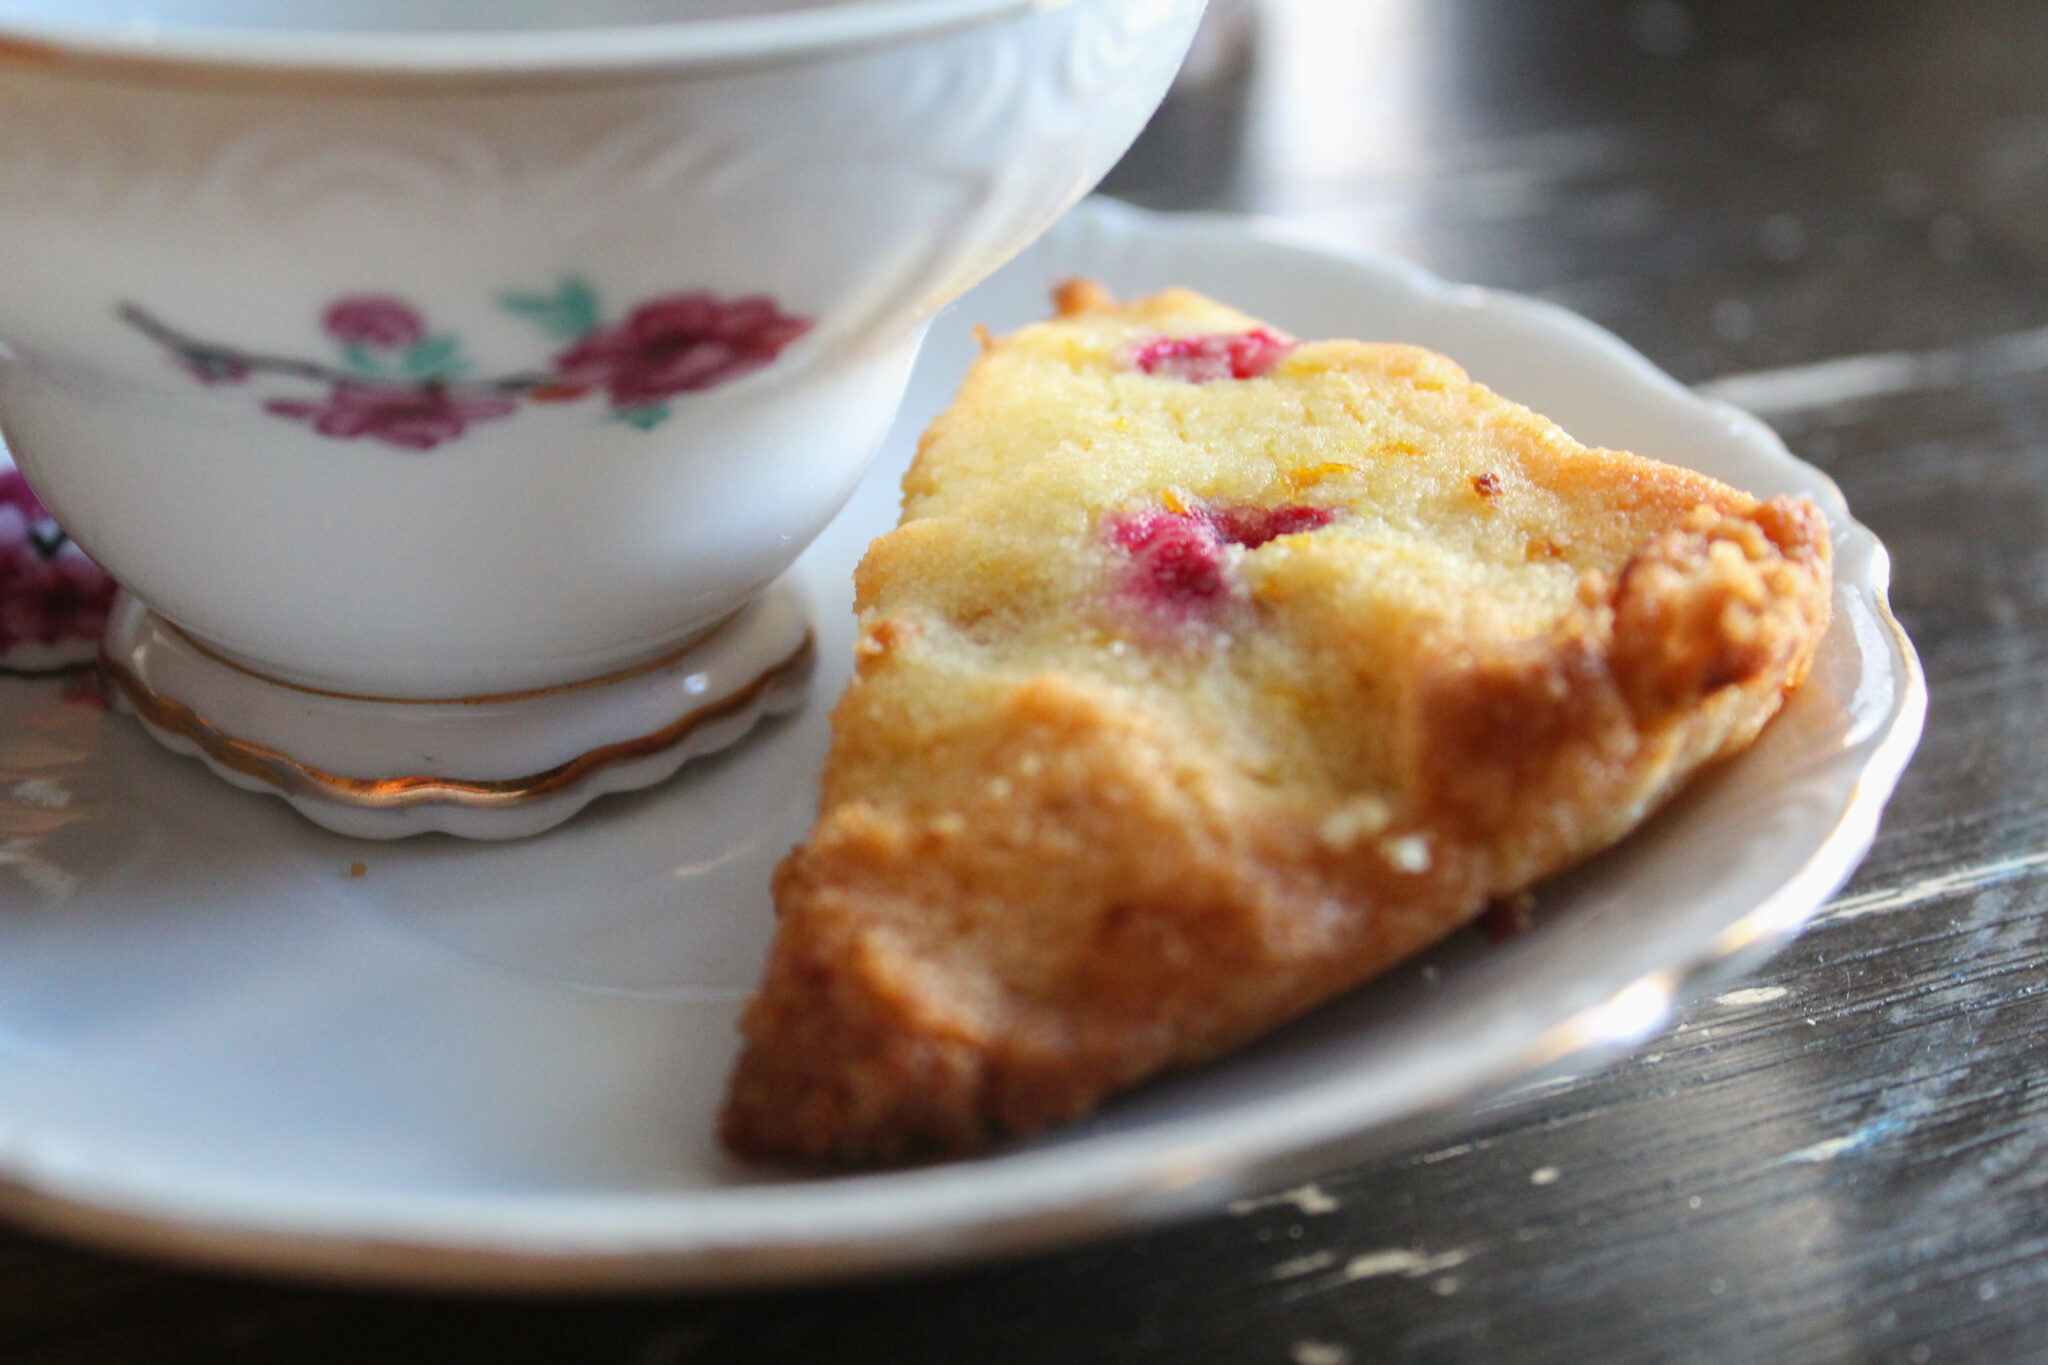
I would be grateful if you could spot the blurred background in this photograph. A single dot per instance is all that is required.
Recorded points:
(1794, 176)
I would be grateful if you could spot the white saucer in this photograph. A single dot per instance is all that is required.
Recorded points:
(230, 1036)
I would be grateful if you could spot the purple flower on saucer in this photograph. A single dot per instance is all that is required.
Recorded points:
(51, 595)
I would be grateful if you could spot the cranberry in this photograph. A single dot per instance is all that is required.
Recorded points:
(1252, 527)
(1242, 355)
(1135, 530)
(1182, 563)
(1178, 561)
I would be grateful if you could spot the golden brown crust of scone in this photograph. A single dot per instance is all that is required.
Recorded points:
(1052, 861)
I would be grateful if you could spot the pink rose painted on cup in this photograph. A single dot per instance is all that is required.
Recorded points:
(384, 324)
(418, 418)
(681, 344)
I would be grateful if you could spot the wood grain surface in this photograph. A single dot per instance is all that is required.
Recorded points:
(1836, 214)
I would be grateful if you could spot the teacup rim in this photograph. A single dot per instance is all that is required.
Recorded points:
(466, 56)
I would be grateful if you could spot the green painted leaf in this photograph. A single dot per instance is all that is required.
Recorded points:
(580, 313)
(569, 314)
(646, 417)
(361, 360)
(438, 357)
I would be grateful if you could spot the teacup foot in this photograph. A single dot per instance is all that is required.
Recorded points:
(494, 767)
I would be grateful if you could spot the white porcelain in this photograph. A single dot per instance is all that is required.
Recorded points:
(502, 767)
(343, 348)
(228, 1036)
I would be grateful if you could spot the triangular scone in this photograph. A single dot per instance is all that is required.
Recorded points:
(1208, 675)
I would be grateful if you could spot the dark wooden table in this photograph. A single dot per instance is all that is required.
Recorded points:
(1844, 1159)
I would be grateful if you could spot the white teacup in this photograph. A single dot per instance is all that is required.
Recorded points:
(512, 349)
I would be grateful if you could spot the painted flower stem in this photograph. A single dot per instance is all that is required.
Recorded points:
(209, 355)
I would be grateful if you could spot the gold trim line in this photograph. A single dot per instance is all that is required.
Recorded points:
(478, 699)
(288, 775)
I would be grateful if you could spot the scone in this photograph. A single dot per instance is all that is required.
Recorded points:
(1207, 675)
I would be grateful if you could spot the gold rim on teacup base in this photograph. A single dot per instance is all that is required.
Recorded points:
(486, 767)
(667, 659)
